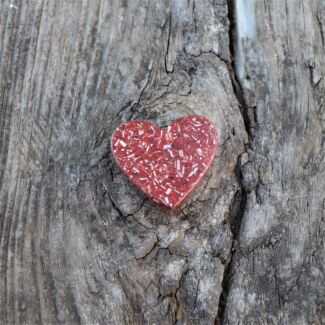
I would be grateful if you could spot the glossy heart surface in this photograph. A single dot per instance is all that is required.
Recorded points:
(165, 164)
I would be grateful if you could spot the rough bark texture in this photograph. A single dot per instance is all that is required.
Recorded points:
(79, 244)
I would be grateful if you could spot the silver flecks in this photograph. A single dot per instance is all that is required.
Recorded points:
(166, 163)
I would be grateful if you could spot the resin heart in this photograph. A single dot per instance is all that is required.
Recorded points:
(166, 164)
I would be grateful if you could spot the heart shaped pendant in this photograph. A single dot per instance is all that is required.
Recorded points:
(166, 164)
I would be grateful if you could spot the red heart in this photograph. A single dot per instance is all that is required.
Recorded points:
(166, 164)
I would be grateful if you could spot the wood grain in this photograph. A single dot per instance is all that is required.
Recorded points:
(276, 275)
(79, 244)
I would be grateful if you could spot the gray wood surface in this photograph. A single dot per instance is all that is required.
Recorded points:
(79, 244)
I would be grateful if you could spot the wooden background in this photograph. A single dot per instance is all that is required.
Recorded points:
(79, 244)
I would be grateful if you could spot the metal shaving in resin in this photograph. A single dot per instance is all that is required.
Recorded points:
(166, 164)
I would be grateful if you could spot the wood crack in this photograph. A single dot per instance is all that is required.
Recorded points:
(235, 215)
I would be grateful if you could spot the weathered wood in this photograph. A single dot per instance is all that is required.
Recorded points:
(277, 274)
(79, 244)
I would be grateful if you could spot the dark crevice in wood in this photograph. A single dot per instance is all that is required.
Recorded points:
(168, 42)
(181, 280)
(235, 219)
(237, 209)
(236, 84)
(227, 63)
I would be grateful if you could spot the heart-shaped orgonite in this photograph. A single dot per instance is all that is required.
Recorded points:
(166, 164)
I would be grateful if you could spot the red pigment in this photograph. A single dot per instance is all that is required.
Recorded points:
(166, 164)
